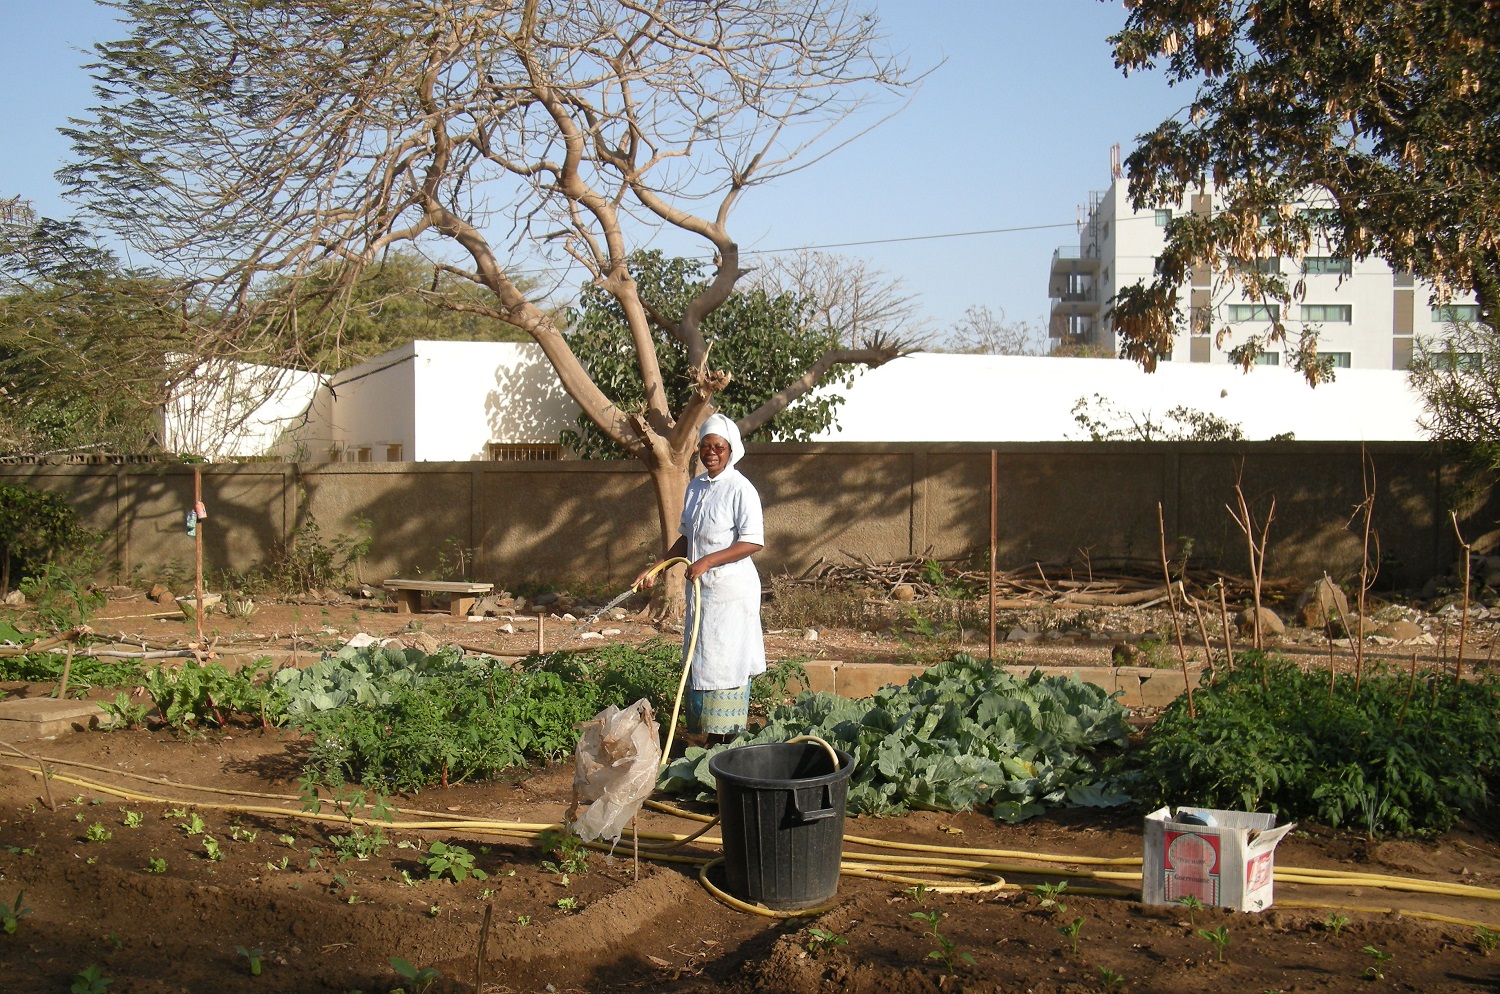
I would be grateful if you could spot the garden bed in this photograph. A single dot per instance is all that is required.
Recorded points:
(334, 926)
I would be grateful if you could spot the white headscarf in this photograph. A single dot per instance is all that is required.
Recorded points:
(719, 424)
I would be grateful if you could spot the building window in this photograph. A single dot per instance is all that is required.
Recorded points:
(1268, 359)
(1254, 312)
(1339, 360)
(392, 451)
(1266, 267)
(1456, 313)
(1335, 313)
(354, 453)
(1163, 215)
(521, 452)
(1327, 265)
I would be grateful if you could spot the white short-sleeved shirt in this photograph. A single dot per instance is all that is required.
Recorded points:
(718, 512)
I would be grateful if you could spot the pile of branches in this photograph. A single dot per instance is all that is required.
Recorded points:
(1114, 582)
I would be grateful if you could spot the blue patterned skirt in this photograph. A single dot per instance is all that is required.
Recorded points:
(718, 712)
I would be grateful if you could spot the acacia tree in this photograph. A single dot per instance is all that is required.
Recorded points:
(1379, 113)
(86, 345)
(252, 137)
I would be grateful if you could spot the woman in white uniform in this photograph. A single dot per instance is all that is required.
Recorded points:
(721, 529)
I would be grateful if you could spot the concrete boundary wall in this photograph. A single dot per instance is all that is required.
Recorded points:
(596, 521)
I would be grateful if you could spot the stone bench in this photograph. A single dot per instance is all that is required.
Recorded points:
(408, 594)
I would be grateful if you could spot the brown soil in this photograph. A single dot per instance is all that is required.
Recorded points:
(329, 926)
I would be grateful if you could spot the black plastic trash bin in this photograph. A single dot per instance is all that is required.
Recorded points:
(781, 806)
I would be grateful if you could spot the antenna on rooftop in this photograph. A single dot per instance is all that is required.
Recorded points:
(1114, 161)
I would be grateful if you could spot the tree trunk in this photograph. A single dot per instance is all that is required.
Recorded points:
(669, 597)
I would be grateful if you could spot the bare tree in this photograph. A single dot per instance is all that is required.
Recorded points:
(983, 332)
(861, 303)
(246, 138)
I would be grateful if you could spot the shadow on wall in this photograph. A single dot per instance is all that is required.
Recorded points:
(528, 405)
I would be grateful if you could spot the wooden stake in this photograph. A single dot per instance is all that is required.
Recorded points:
(1224, 618)
(198, 552)
(62, 689)
(1208, 653)
(994, 528)
(46, 783)
(541, 633)
(1166, 570)
(484, 941)
(1463, 619)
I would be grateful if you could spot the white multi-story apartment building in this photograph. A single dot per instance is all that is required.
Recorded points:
(1366, 315)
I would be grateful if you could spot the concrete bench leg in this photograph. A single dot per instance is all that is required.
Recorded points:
(407, 601)
(459, 605)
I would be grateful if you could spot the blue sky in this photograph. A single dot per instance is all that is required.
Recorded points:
(1012, 130)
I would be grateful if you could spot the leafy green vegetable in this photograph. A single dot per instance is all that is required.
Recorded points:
(962, 735)
(1400, 755)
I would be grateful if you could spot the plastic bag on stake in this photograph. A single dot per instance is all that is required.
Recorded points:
(615, 765)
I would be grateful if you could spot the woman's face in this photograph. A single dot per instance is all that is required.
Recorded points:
(713, 450)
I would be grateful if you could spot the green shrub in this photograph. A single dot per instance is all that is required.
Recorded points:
(37, 527)
(410, 720)
(1399, 756)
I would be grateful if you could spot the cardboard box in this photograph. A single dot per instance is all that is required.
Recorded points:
(1229, 864)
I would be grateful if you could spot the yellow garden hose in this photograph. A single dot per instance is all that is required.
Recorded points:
(910, 870)
(687, 658)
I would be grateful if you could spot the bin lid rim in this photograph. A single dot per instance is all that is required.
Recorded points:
(845, 770)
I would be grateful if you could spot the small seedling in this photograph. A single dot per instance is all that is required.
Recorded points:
(97, 833)
(434, 909)
(90, 980)
(285, 862)
(417, 980)
(821, 940)
(455, 861)
(1193, 906)
(1219, 937)
(1335, 923)
(134, 819)
(567, 904)
(1070, 932)
(212, 849)
(523, 920)
(568, 851)
(918, 893)
(115, 942)
(171, 813)
(10, 918)
(944, 953)
(1110, 979)
(194, 825)
(1486, 939)
(239, 834)
(20, 851)
(1049, 894)
(1381, 958)
(155, 865)
(254, 956)
(358, 844)
(290, 841)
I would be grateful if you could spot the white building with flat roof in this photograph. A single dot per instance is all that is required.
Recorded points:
(1366, 315)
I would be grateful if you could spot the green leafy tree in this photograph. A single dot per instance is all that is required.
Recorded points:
(337, 318)
(1378, 114)
(769, 338)
(86, 345)
(36, 526)
(248, 139)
